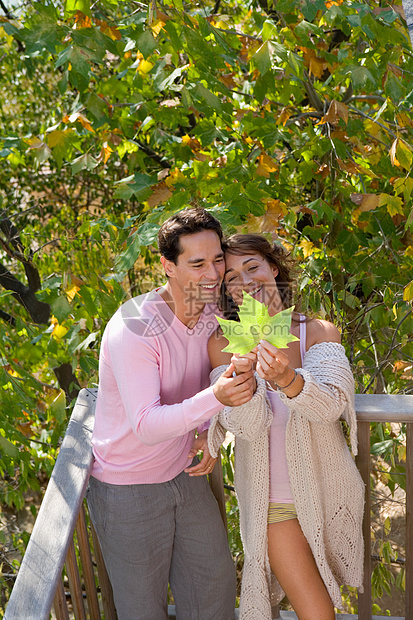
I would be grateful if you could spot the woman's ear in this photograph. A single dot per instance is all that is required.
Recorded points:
(275, 271)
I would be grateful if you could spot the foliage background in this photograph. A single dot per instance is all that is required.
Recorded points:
(289, 117)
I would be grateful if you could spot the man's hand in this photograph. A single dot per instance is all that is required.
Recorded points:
(207, 463)
(243, 363)
(234, 391)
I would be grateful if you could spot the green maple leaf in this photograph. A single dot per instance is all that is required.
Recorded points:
(256, 324)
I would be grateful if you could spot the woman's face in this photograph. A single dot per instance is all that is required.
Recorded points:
(253, 274)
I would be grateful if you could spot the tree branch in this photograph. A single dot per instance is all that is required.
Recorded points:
(8, 318)
(313, 98)
(13, 239)
(148, 151)
(67, 380)
(38, 310)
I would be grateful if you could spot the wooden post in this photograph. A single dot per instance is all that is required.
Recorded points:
(87, 566)
(409, 521)
(60, 607)
(74, 583)
(363, 463)
(105, 585)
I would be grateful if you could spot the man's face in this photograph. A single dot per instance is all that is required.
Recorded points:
(199, 270)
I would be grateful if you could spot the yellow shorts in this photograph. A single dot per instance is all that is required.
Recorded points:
(281, 512)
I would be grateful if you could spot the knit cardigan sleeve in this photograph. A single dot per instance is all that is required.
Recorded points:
(247, 421)
(328, 392)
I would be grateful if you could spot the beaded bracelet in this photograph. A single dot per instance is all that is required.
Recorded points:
(284, 387)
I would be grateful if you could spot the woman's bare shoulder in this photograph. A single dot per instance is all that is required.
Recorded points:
(319, 330)
(216, 343)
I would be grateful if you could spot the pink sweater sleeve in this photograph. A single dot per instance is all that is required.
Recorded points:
(134, 366)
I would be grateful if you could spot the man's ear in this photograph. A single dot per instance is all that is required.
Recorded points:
(169, 266)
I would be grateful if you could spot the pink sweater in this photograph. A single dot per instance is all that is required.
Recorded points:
(153, 392)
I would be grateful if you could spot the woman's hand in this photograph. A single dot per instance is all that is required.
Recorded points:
(273, 365)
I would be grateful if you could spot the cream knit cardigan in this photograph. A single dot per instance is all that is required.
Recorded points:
(327, 488)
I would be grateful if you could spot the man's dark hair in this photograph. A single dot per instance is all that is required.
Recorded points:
(187, 222)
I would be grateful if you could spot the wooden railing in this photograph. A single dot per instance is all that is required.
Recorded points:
(61, 537)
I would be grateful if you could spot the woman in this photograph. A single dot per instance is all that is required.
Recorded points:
(300, 494)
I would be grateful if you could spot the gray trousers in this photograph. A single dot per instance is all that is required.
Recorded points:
(155, 534)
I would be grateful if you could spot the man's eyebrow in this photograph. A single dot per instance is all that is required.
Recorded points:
(192, 261)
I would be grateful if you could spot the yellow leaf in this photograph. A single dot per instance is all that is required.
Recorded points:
(266, 164)
(59, 332)
(307, 247)
(57, 137)
(175, 176)
(157, 26)
(70, 293)
(408, 292)
(145, 66)
(284, 116)
(404, 119)
(394, 204)
(373, 128)
(401, 452)
(405, 186)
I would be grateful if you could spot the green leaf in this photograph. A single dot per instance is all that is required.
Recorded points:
(393, 88)
(360, 76)
(124, 192)
(146, 43)
(310, 9)
(57, 408)
(262, 59)
(61, 308)
(8, 448)
(86, 296)
(126, 260)
(256, 324)
(72, 6)
(404, 154)
(83, 162)
(209, 98)
(148, 233)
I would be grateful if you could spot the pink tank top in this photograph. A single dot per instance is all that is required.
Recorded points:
(280, 490)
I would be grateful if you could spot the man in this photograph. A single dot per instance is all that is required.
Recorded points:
(156, 518)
